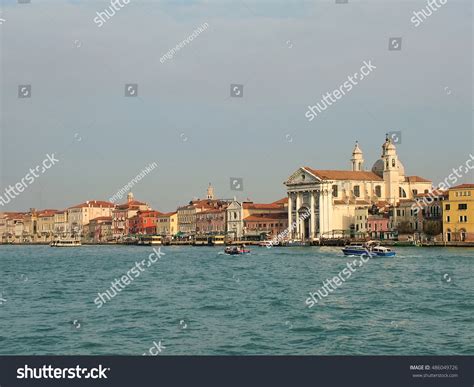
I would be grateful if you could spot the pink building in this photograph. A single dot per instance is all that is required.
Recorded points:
(378, 226)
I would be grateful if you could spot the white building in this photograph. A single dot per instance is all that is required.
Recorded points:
(80, 215)
(332, 196)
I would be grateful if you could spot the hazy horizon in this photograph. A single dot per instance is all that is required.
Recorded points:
(287, 54)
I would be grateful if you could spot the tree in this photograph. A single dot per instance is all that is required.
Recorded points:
(432, 228)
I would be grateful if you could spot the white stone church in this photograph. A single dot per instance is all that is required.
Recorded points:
(332, 196)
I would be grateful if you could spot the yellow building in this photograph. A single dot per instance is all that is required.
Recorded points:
(167, 224)
(458, 214)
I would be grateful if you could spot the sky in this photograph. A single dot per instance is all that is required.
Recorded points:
(286, 54)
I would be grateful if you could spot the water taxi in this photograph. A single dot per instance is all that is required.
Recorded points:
(356, 249)
(218, 240)
(235, 250)
(150, 240)
(370, 248)
(381, 251)
(67, 242)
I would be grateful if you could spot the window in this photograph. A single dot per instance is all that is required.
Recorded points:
(378, 190)
(334, 190)
(393, 162)
(402, 193)
(462, 206)
(356, 191)
(448, 219)
(415, 192)
(447, 207)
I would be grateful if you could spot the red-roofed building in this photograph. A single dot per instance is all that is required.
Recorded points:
(122, 214)
(81, 214)
(265, 226)
(144, 222)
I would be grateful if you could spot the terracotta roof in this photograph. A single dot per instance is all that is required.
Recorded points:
(102, 218)
(266, 217)
(281, 201)
(435, 192)
(463, 186)
(131, 204)
(94, 203)
(262, 206)
(416, 179)
(326, 174)
(149, 212)
(168, 213)
(211, 211)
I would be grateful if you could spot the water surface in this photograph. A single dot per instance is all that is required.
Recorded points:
(198, 301)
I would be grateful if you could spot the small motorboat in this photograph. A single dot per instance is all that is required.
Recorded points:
(356, 249)
(372, 249)
(381, 251)
(67, 242)
(234, 250)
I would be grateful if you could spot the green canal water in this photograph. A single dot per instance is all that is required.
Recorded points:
(197, 301)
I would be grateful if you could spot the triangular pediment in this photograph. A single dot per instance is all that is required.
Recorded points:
(302, 176)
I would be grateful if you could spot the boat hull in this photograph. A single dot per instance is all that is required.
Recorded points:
(348, 251)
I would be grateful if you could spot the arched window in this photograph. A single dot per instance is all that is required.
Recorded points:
(393, 162)
(378, 191)
(402, 193)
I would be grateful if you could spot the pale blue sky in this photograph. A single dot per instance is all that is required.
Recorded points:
(424, 90)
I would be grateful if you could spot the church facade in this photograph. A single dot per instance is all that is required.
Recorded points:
(332, 196)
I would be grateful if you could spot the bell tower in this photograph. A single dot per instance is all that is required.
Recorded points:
(357, 158)
(390, 170)
(210, 192)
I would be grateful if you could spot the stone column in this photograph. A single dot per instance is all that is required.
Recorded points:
(322, 213)
(290, 215)
(298, 221)
(312, 220)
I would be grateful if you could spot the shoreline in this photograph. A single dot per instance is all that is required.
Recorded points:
(252, 243)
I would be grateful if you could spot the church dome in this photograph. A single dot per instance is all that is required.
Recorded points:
(379, 167)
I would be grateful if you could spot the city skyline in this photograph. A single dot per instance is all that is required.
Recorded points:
(184, 118)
